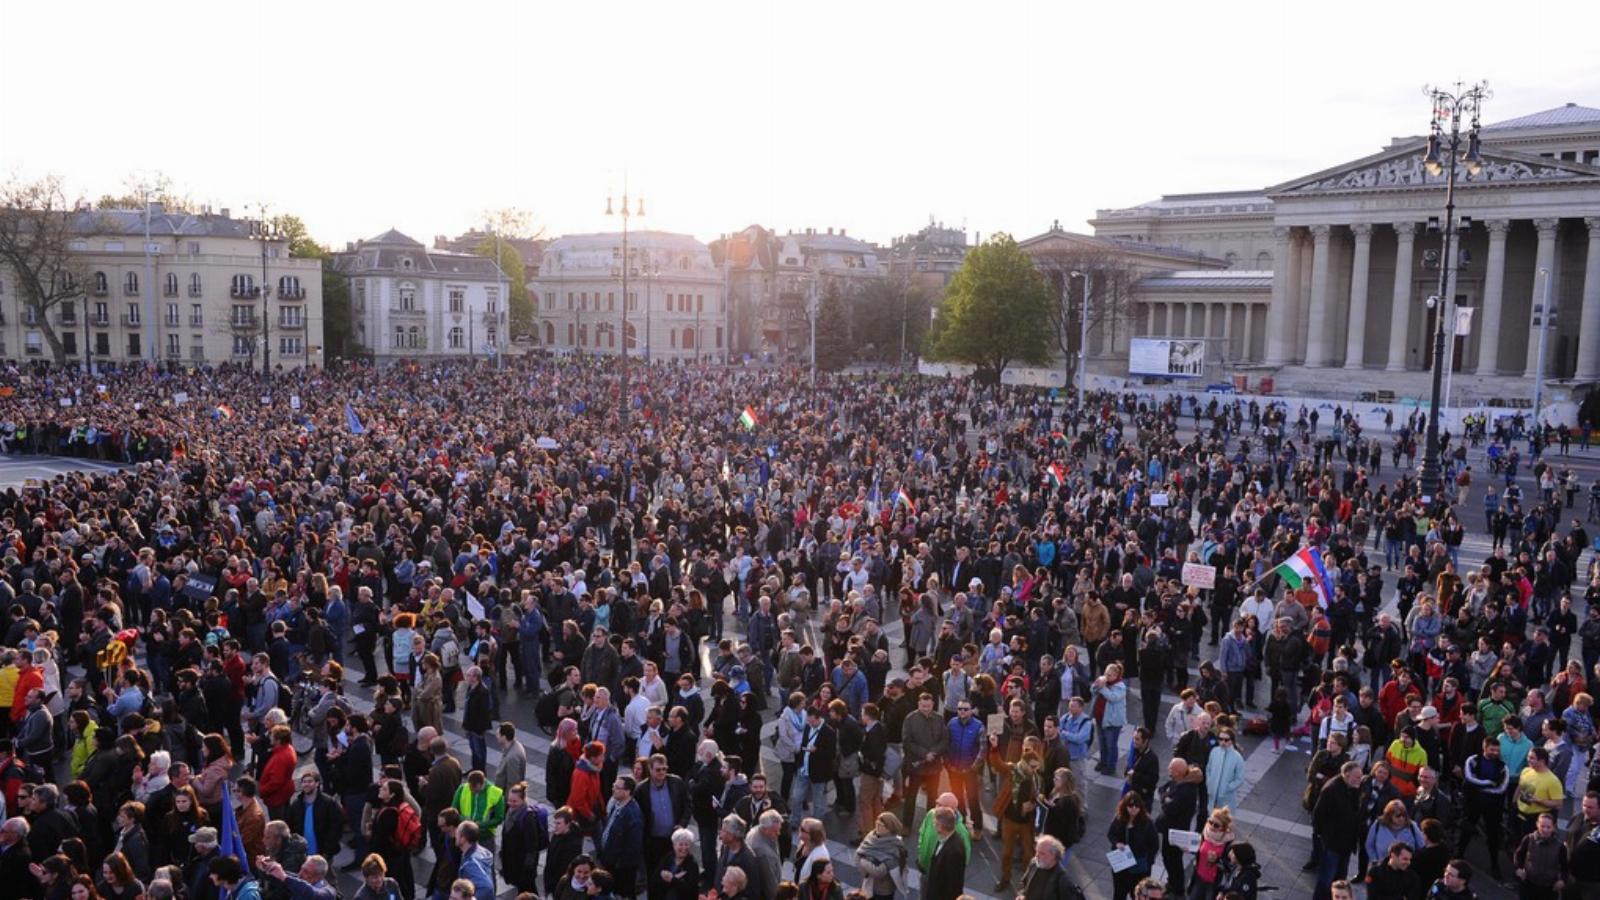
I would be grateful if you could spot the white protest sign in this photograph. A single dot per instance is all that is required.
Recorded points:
(1160, 499)
(1200, 576)
(1187, 841)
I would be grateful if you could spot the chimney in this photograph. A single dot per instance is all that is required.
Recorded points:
(841, 232)
(830, 231)
(226, 213)
(349, 246)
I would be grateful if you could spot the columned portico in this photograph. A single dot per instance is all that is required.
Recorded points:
(1356, 337)
(1318, 335)
(1400, 309)
(1588, 368)
(1544, 267)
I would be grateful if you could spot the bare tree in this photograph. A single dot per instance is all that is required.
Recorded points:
(37, 228)
(513, 223)
(1111, 309)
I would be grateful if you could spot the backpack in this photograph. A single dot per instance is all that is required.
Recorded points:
(408, 831)
(450, 655)
(541, 827)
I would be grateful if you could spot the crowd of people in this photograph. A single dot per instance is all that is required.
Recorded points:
(698, 607)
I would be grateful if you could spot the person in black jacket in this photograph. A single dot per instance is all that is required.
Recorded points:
(566, 848)
(815, 766)
(352, 766)
(1144, 769)
(477, 718)
(1337, 817)
(327, 817)
(1152, 671)
(1391, 878)
(947, 873)
(1132, 830)
(874, 752)
(1180, 797)
(661, 788)
(519, 841)
(851, 739)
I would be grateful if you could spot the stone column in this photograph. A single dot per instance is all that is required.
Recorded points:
(1494, 288)
(1205, 320)
(1589, 322)
(1356, 341)
(1249, 330)
(1149, 319)
(1400, 314)
(1546, 260)
(1319, 337)
(1176, 313)
(1278, 318)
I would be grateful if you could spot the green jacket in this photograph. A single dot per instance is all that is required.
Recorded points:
(83, 749)
(488, 808)
(928, 840)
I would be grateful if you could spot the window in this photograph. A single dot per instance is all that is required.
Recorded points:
(583, 335)
(131, 317)
(291, 346)
(196, 315)
(569, 304)
(69, 342)
(583, 300)
(719, 337)
(171, 320)
(570, 333)
(413, 338)
(102, 343)
(33, 343)
(194, 284)
(243, 345)
(102, 313)
(494, 337)
(492, 295)
(408, 297)
(549, 333)
(243, 286)
(458, 300)
(549, 299)
(291, 317)
(699, 303)
(611, 301)
(101, 284)
(672, 337)
(399, 336)
(1263, 261)
(688, 339)
(134, 348)
(130, 284)
(197, 350)
(289, 287)
(194, 248)
(457, 338)
(174, 345)
(361, 295)
(171, 285)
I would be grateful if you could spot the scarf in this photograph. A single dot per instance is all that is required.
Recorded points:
(886, 850)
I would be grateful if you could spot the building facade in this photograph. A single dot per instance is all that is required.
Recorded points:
(929, 258)
(409, 302)
(675, 307)
(1354, 257)
(194, 294)
(773, 279)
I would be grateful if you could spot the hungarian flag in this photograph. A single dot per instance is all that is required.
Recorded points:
(224, 410)
(905, 498)
(1304, 566)
(1056, 475)
(748, 419)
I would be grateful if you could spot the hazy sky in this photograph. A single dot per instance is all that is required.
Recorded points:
(869, 115)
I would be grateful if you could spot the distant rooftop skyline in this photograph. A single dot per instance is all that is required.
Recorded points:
(994, 116)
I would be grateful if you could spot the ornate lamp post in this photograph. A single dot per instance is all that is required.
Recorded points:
(1445, 154)
(265, 231)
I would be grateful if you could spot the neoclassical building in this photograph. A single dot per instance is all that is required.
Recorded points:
(1349, 256)
(407, 301)
(675, 307)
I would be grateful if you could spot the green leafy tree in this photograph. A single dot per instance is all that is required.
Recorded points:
(336, 321)
(301, 244)
(517, 281)
(996, 312)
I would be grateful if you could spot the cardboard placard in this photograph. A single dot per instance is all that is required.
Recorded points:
(1199, 575)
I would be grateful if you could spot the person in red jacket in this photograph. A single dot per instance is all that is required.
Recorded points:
(586, 799)
(277, 776)
(1392, 698)
(29, 678)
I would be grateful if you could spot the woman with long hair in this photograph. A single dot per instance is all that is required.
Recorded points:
(1065, 814)
(1132, 830)
(83, 889)
(184, 819)
(386, 846)
(213, 774)
(821, 884)
(810, 849)
(565, 751)
(55, 876)
(116, 879)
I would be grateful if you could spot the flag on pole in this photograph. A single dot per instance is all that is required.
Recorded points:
(353, 421)
(224, 410)
(903, 497)
(1056, 475)
(748, 419)
(230, 841)
(1306, 565)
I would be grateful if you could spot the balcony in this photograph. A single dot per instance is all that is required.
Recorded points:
(197, 321)
(130, 290)
(100, 320)
(291, 293)
(195, 291)
(197, 353)
(67, 316)
(170, 290)
(244, 293)
(494, 318)
(407, 313)
(131, 320)
(101, 290)
(292, 324)
(170, 322)
(174, 352)
(244, 323)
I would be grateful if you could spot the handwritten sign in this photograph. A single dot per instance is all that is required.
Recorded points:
(1161, 499)
(1200, 576)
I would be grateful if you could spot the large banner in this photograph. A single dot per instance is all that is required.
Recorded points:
(1169, 358)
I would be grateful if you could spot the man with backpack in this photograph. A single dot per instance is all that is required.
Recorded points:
(525, 834)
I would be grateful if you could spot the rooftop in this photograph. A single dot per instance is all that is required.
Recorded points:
(1569, 114)
(1209, 280)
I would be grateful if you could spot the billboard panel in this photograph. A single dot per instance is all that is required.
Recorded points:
(1166, 357)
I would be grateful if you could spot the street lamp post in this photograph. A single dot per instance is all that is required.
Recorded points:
(625, 260)
(1083, 331)
(265, 232)
(1444, 154)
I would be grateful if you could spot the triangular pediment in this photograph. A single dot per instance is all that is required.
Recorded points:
(1057, 242)
(1400, 169)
